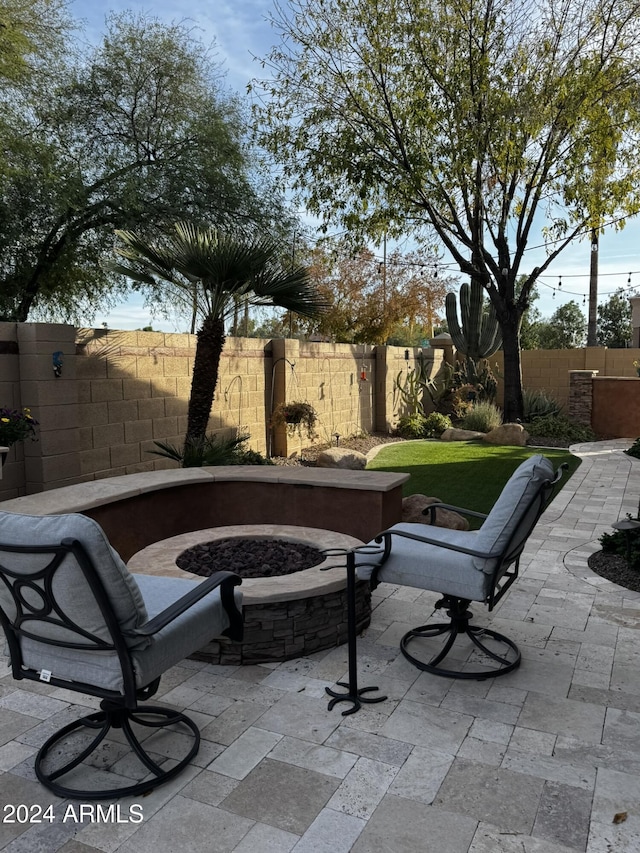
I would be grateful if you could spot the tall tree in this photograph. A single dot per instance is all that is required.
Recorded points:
(133, 134)
(216, 269)
(566, 328)
(614, 321)
(474, 119)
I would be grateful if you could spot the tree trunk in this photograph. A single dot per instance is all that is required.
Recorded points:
(206, 364)
(513, 404)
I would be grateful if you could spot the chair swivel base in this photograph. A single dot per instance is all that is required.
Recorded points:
(99, 724)
(505, 652)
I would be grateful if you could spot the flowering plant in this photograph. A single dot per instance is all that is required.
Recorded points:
(16, 426)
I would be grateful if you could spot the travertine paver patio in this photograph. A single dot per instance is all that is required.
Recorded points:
(541, 760)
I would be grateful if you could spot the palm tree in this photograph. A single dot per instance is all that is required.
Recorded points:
(214, 271)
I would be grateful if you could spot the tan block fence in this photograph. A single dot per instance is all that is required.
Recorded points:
(118, 392)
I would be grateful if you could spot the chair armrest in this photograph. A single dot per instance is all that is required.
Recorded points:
(225, 580)
(473, 552)
(431, 510)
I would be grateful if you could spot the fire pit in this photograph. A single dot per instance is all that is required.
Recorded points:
(285, 615)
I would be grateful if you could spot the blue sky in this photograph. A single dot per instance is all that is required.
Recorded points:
(241, 31)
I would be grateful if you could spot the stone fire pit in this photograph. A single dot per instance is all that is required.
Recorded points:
(284, 617)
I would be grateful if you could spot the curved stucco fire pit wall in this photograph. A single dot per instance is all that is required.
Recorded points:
(348, 507)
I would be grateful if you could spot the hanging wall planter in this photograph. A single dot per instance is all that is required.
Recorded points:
(296, 416)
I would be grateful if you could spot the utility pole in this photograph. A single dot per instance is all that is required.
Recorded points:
(593, 290)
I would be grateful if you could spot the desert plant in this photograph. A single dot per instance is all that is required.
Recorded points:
(537, 403)
(297, 416)
(435, 424)
(211, 271)
(211, 450)
(412, 389)
(478, 374)
(482, 417)
(477, 334)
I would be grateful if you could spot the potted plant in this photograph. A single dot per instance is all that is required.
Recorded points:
(297, 416)
(16, 426)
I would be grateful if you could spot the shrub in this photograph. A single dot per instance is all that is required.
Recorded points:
(634, 450)
(624, 544)
(212, 450)
(482, 417)
(537, 404)
(16, 426)
(435, 424)
(412, 426)
(559, 426)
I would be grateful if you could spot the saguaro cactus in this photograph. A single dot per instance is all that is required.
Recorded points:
(478, 335)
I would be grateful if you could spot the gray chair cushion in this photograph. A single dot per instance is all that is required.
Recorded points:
(442, 569)
(426, 566)
(200, 624)
(134, 603)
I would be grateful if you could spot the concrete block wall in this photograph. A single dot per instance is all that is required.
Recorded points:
(134, 389)
(338, 380)
(119, 392)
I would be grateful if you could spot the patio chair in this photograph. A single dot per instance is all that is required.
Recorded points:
(465, 566)
(75, 617)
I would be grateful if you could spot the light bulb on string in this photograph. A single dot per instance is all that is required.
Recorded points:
(559, 282)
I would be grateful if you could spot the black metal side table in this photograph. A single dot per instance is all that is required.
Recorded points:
(353, 693)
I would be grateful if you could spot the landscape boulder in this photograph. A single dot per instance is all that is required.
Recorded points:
(514, 434)
(454, 434)
(413, 506)
(338, 457)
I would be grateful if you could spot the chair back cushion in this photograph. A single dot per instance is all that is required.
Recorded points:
(72, 594)
(516, 511)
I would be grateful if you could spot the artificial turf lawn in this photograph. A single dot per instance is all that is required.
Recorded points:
(469, 474)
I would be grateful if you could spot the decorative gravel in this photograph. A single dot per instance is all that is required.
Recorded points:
(615, 568)
(249, 557)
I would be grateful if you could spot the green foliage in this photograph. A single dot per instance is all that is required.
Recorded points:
(418, 425)
(435, 424)
(470, 121)
(623, 543)
(132, 133)
(298, 416)
(634, 450)
(16, 426)
(537, 403)
(565, 330)
(559, 426)
(412, 426)
(613, 327)
(210, 450)
(482, 417)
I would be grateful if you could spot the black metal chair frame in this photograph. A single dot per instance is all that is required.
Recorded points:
(118, 709)
(506, 571)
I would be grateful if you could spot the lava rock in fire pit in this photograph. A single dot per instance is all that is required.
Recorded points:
(249, 557)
